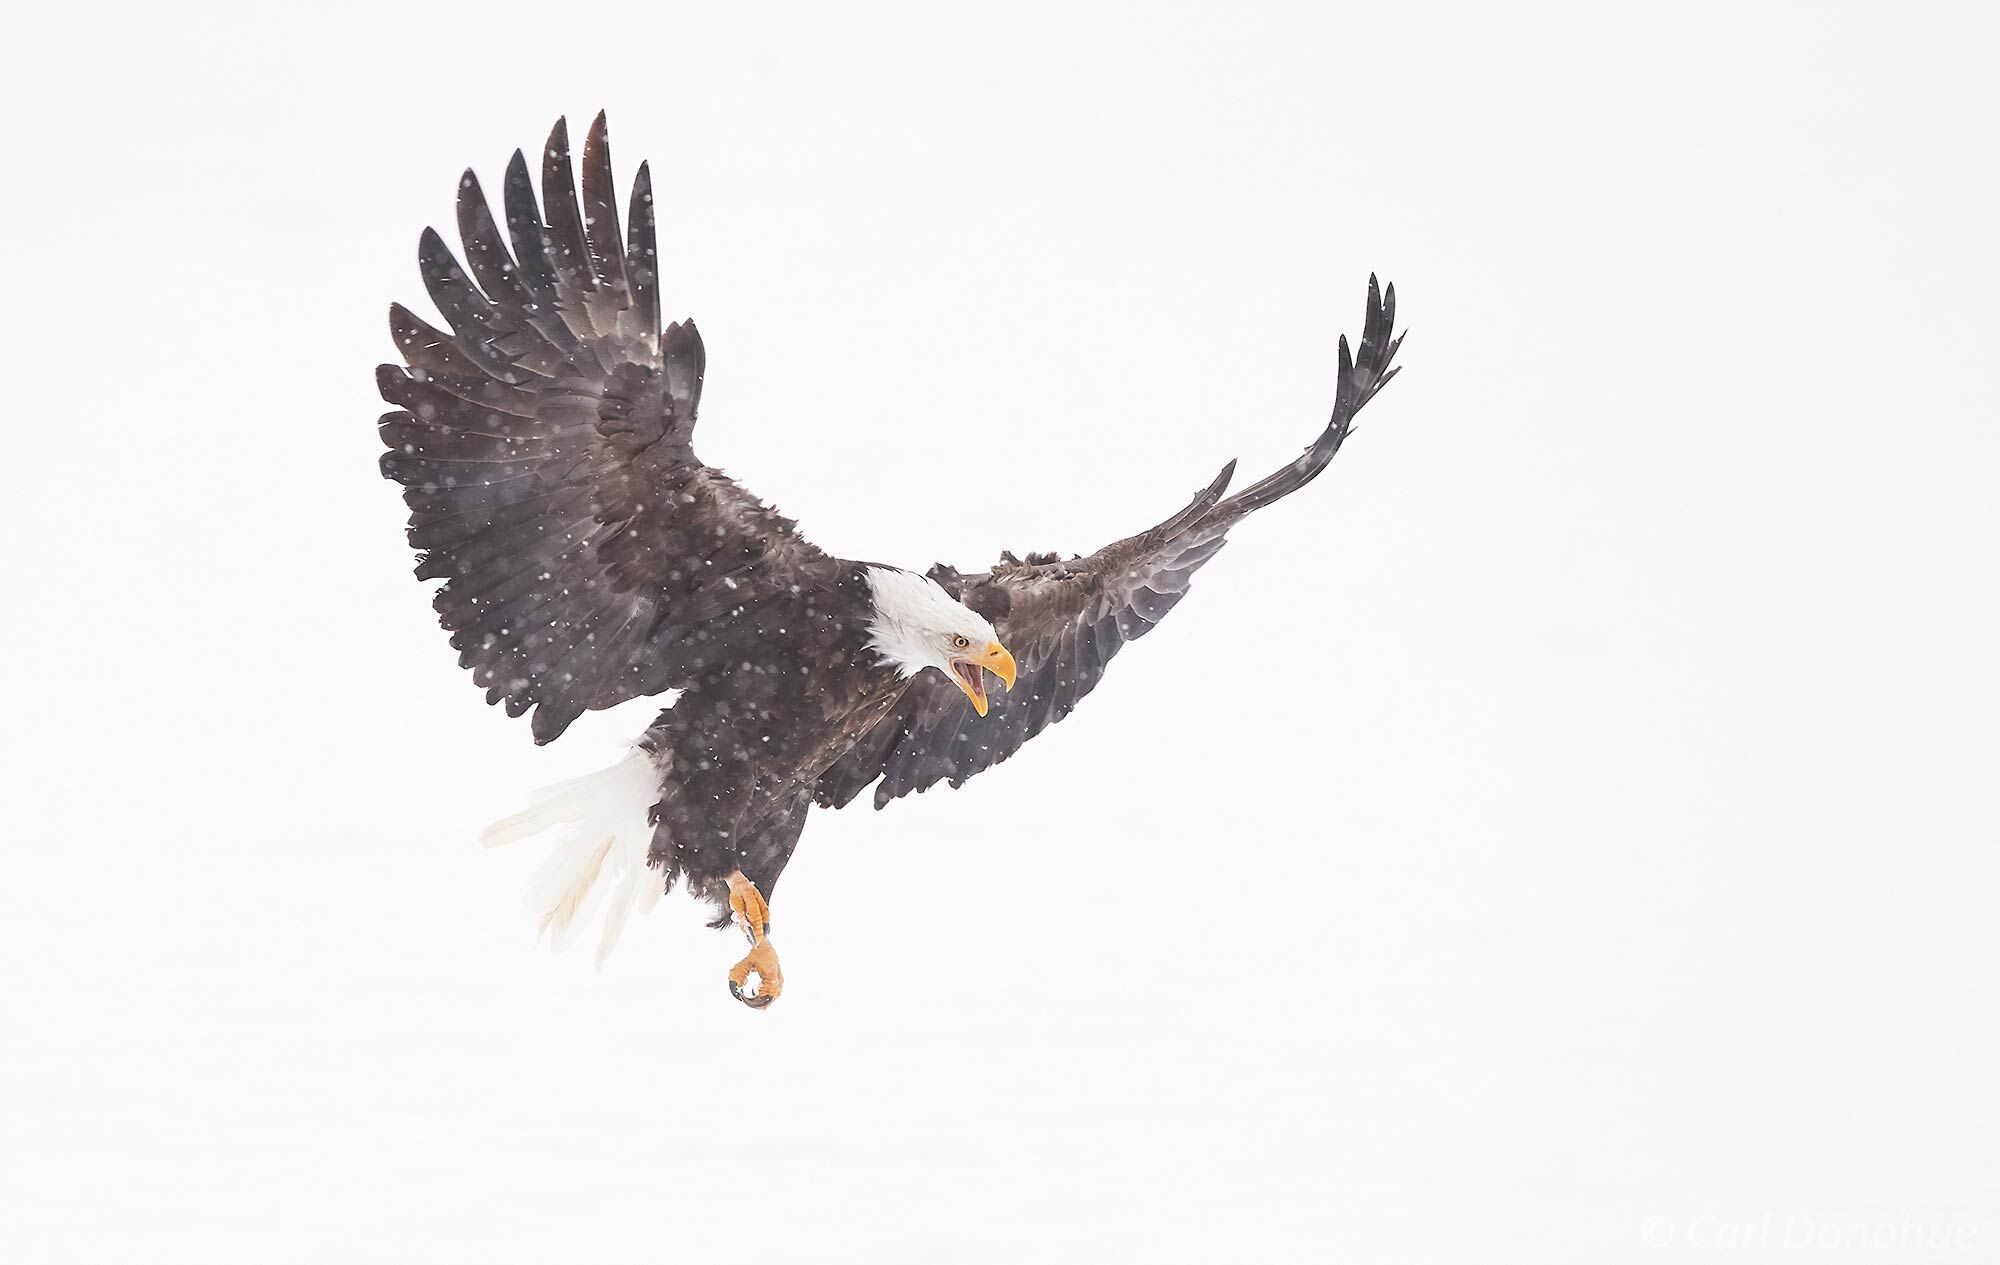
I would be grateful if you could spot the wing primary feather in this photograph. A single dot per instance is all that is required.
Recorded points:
(569, 251)
(530, 239)
(1203, 502)
(486, 256)
(600, 210)
(1360, 378)
(642, 259)
(534, 334)
(427, 348)
(467, 311)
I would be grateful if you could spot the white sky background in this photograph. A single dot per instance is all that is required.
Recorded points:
(1566, 832)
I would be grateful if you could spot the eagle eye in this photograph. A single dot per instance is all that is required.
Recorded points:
(958, 642)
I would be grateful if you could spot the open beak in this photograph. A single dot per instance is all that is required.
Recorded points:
(969, 671)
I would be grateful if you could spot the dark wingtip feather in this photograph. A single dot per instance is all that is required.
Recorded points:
(546, 725)
(424, 346)
(402, 321)
(486, 255)
(563, 216)
(642, 255)
(1358, 381)
(1204, 501)
(600, 207)
(1216, 487)
(524, 230)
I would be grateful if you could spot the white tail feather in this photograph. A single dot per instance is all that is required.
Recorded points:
(605, 835)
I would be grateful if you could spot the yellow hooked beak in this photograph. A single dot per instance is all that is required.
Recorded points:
(969, 670)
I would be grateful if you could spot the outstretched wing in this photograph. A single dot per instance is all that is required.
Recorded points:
(544, 447)
(1064, 621)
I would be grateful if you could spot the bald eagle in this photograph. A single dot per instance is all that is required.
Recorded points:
(545, 449)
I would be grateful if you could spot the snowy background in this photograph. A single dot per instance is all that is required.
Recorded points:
(1564, 833)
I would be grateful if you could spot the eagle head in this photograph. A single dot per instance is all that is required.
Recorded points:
(917, 625)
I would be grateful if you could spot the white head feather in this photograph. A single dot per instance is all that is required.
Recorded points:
(915, 621)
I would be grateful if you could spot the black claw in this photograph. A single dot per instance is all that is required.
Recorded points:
(756, 1001)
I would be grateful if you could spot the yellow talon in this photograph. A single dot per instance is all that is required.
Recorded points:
(761, 961)
(753, 915)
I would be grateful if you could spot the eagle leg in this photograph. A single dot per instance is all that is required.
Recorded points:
(754, 917)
